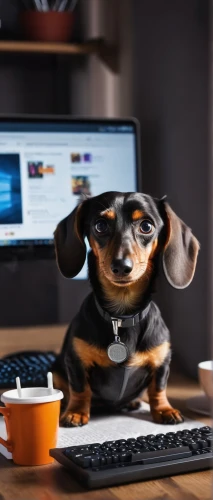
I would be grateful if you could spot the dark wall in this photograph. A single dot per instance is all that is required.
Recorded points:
(28, 293)
(171, 101)
(31, 83)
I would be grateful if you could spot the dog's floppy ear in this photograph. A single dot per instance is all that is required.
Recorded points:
(180, 251)
(69, 242)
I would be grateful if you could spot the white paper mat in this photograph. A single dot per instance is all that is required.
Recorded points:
(105, 428)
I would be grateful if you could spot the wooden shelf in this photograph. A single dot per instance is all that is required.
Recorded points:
(107, 53)
(51, 48)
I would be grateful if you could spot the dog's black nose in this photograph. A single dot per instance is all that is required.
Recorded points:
(122, 267)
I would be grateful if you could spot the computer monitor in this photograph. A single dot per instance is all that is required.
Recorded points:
(48, 163)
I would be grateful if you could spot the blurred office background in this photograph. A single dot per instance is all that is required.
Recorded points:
(155, 66)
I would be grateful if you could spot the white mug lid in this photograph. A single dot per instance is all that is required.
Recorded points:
(206, 365)
(32, 395)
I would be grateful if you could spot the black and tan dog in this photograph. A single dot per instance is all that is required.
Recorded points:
(129, 233)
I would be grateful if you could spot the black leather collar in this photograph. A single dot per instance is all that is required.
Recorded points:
(123, 321)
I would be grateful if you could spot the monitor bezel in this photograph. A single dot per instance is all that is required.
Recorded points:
(35, 251)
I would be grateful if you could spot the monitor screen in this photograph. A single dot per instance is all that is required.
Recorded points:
(46, 166)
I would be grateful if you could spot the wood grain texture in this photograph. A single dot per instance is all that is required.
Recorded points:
(42, 338)
(53, 482)
(184, 487)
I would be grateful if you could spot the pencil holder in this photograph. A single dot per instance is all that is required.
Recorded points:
(48, 26)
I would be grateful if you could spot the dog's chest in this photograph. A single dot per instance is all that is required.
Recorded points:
(153, 357)
(92, 355)
(118, 385)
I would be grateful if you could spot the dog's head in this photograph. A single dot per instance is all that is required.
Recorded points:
(126, 231)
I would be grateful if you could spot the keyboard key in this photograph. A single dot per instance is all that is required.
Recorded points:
(108, 443)
(186, 442)
(105, 448)
(206, 433)
(125, 457)
(193, 446)
(80, 459)
(115, 458)
(95, 446)
(162, 455)
(137, 452)
(95, 461)
(210, 440)
(203, 443)
(136, 447)
(70, 450)
(83, 448)
(84, 462)
(141, 439)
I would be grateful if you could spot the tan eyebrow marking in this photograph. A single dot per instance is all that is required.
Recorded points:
(109, 213)
(137, 214)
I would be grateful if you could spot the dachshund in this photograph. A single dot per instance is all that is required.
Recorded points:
(118, 344)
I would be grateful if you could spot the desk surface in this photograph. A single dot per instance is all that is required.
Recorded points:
(53, 482)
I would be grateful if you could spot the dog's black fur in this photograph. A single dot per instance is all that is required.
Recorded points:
(129, 234)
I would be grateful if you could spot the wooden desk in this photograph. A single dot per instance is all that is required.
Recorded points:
(53, 482)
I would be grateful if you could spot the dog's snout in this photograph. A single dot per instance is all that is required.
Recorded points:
(122, 267)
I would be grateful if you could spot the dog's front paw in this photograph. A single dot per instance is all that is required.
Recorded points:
(71, 419)
(167, 416)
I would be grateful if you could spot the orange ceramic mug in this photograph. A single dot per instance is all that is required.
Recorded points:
(32, 423)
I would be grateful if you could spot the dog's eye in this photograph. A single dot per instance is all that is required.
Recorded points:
(101, 226)
(146, 227)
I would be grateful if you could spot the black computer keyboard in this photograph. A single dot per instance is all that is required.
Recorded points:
(135, 459)
(30, 366)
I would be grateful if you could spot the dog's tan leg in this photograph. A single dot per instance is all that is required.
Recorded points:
(78, 411)
(161, 410)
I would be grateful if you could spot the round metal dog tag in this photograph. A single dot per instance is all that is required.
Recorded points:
(117, 352)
